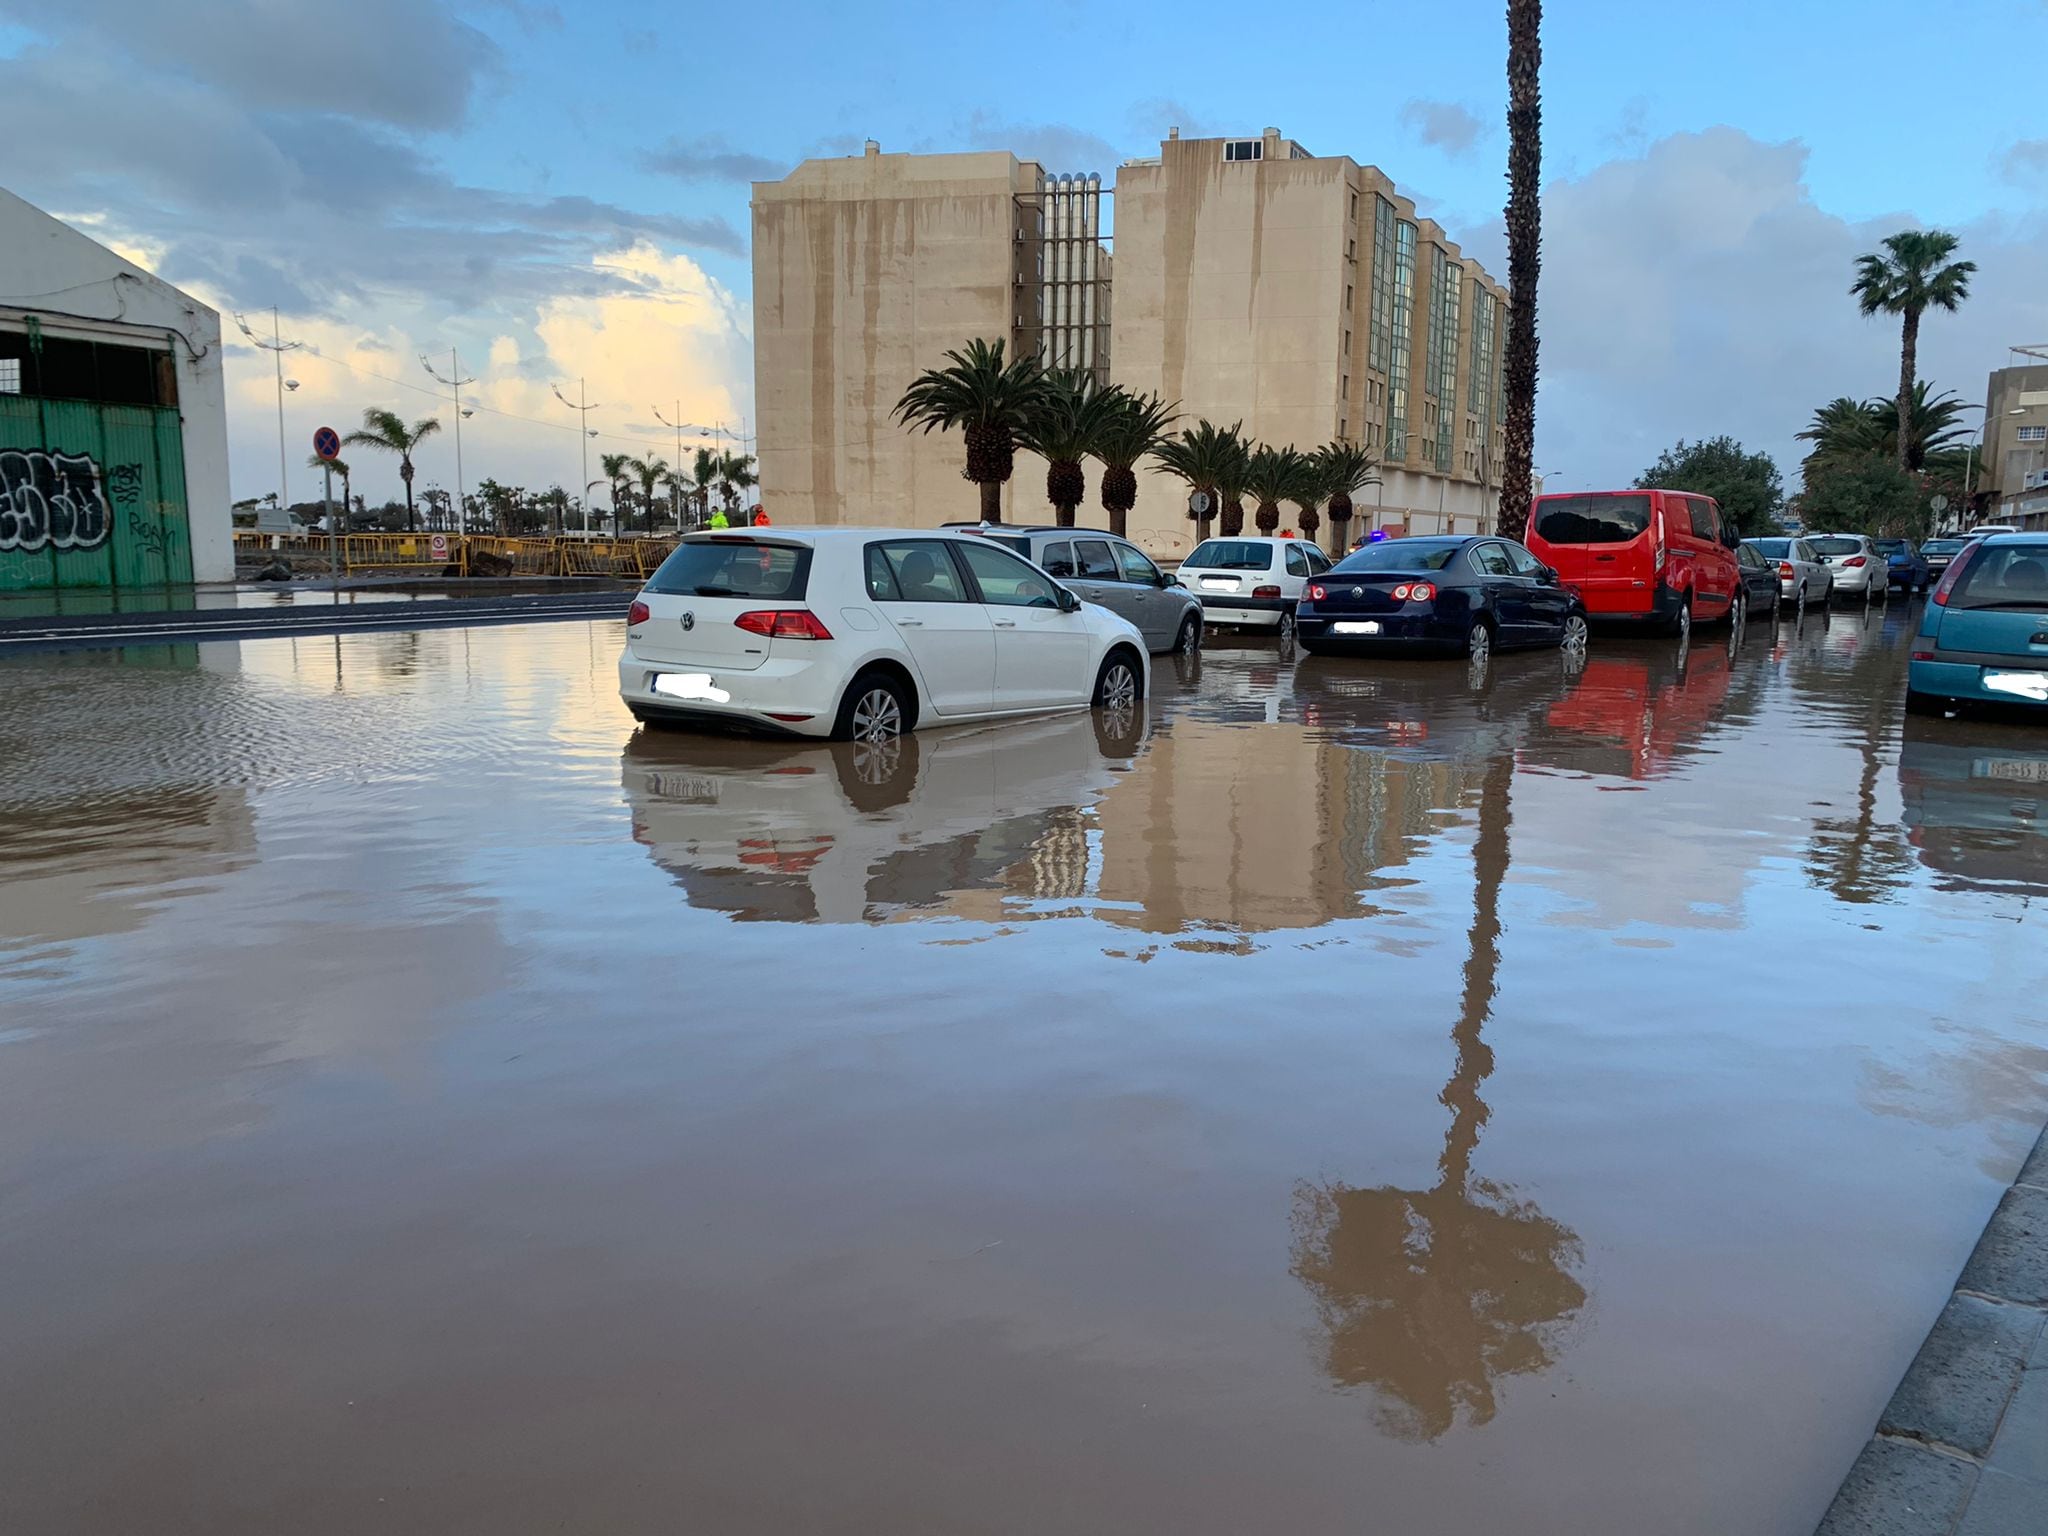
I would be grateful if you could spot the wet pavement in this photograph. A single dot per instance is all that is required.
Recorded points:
(1346, 1096)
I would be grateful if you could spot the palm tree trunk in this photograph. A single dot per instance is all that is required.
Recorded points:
(991, 501)
(405, 474)
(1525, 258)
(1909, 366)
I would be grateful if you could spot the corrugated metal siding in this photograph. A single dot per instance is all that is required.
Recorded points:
(136, 530)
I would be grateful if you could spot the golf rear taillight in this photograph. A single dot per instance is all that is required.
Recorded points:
(1414, 592)
(783, 624)
(1265, 591)
(637, 614)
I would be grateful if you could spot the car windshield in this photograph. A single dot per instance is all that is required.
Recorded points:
(1401, 555)
(1230, 555)
(1942, 546)
(1835, 546)
(737, 567)
(2004, 576)
(1592, 519)
(1773, 549)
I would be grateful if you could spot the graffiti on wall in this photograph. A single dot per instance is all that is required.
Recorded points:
(51, 501)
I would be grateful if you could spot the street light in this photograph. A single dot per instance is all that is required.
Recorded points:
(277, 346)
(454, 380)
(582, 406)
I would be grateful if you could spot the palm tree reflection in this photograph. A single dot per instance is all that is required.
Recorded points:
(1430, 1295)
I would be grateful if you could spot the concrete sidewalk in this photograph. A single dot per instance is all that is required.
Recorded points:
(1962, 1448)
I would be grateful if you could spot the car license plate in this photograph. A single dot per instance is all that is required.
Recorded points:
(691, 685)
(1355, 627)
(690, 788)
(2016, 770)
(2021, 685)
(1214, 584)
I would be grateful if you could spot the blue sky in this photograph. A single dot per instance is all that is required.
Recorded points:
(561, 189)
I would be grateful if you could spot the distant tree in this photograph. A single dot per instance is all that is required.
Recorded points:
(1866, 495)
(1525, 259)
(1747, 485)
(650, 473)
(339, 466)
(1064, 428)
(387, 431)
(615, 467)
(735, 478)
(989, 398)
(703, 475)
(1206, 458)
(1137, 426)
(1913, 275)
(1346, 467)
(1276, 475)
(1848, 428)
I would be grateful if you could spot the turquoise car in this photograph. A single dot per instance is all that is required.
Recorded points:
(1984, 636)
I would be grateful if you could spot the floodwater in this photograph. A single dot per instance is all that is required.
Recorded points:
(1345, 1097)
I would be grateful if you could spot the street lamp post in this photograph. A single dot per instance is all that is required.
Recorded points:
(277, 346)
(582, 406)
(454, 380)
(675, 483)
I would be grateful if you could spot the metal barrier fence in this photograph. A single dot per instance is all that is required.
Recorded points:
(458, 554)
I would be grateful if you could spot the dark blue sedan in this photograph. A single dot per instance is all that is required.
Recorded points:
(1909, 569)
(1456, 596)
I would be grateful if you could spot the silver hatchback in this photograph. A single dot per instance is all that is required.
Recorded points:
(1113, 572)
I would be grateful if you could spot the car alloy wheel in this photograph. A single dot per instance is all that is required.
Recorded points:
(1190, 636)
(1119, 686)
(1738, 611)
(877, 716)
(1573, 637)
(1479, 644)
(1285, 628)
(1685, 621)
(1799, 603)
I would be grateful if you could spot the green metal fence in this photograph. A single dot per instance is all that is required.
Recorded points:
(91, 495)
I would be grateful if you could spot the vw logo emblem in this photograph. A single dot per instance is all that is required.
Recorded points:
(1355, 592)
(689, 619)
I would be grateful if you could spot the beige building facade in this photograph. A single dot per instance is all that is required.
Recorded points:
(2015, 463)
(1253, 282)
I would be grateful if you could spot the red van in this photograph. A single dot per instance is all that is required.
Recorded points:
(1654, 557)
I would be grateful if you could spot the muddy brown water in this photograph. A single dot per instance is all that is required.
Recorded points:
(1339, 1097)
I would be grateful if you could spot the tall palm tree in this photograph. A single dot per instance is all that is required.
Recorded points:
(1205, 457)
(1276, 474)
(616, 467)
(1231, 486)
(387, 431)
(989, 398)
(340, 467)
(1346, 467)
(1842, 428)
(703, 475)
(735, 474)
(1525, 260)
(1137, 426)
(1852, 429)
(650, 473)
(1914, 273)
(1063, 429)
(1310, 489)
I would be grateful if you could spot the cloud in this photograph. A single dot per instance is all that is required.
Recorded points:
(1443, 125)
(2026, 163)
(1055, 146)
(1698, 289)
(711, 159)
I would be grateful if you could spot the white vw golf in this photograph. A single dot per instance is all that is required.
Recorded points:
(865, 633)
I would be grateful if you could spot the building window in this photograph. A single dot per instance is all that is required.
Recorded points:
(1347, 343)
(1354, 207)
(10, 375)
(1448, 287)
(1485, 316)
(1344, 387)
(1399, 343)
(1347, 297)
(1382, 281)
(2033, 434)
(1351, 250)
(1244, 149)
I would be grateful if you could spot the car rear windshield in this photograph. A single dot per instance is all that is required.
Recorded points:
(2004, 576)
(1890, 546)
(1834, 546)
(1592, 519)
(1231, 555)
(1401, 555)
(1014, 546)
(1773, 549)
(1942, 546)
(735, 568)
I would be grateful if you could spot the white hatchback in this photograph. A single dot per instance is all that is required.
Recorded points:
(865, 633)
(1254, 581)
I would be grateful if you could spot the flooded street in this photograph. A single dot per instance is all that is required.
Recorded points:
(1351, 1096)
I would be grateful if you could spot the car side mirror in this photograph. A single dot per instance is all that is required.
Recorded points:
(1168, 579)
(1547, 574)
(1068, 602)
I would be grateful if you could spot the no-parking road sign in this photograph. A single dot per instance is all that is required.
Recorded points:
(327, 443)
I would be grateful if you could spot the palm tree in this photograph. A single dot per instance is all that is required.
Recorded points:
(340, 467)
(1346, 467)
(703, 471)
(1137, 426)
(1525, 259)
(650, 473)
(1063, 429)
(387, 430)
(1840, 429)
(1915, 273)
(616, 466)
(1276, 475)
(990, 400)
(1207, 458)
(735, 474)
(1852, 429)
(1231, 487)
(1307, 495)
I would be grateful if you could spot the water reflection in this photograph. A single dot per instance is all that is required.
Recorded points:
(1430, 1296)
(1976, 803)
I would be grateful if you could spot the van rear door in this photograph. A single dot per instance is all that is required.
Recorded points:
(1602, 543)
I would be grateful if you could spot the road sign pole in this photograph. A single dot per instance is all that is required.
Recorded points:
(333, 537)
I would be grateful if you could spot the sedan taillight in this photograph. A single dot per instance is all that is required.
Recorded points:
(1414, 592)
(1265, 591)
(783, 624)
(1317, 593)
(1854, 560)
(1785, 571)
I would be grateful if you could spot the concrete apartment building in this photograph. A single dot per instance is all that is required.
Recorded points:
(1252, 281)
(2015, 463)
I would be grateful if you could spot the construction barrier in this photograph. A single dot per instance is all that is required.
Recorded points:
(458, 554)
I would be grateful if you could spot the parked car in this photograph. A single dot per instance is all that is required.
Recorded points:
(865, 633)
(1853, 559)
(1464, 596)
(1803, 577)
(1984, 634)
(1938, 552)
(1759, 580)
(1906, 571)
(1647, 557)
(1114, 572)
(1254, 582)
(1983, 529)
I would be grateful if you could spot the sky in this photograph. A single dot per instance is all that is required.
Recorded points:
(559, 190)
